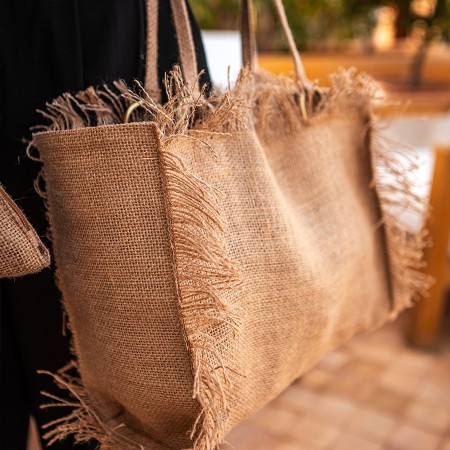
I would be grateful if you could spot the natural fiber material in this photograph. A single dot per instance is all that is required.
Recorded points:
(21, 250)
(213, 251)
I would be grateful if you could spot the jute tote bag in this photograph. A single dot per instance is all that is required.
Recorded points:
(213, 248)
(21, 250)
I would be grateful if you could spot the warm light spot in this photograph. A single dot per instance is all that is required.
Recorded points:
(423, 8)
(383, 37)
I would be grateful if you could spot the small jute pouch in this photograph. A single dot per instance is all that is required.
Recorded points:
(21, 250)
(213, 248)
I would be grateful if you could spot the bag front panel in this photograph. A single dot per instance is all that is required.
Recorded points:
(303, 228)
(115, 270)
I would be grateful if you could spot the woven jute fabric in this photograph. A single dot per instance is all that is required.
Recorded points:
(213, 251)
(21, 250)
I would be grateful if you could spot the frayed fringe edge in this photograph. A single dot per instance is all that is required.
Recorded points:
(185, 110)
(83, 423)
(395, 165)
(252, 101)
(203, 275)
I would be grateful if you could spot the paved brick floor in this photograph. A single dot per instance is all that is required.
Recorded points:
(374, 393)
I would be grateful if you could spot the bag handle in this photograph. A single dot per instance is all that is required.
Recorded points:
(185, 40)
(186, 48)
(249, 52)
(248, 38)
(151, 83)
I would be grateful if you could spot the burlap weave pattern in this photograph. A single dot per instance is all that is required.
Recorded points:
(212, 251)
(217, 256)
(123, 296)
(21, 250)
(310, 253)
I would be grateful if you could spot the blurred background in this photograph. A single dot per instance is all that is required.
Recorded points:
(330, 25)
(404, 43)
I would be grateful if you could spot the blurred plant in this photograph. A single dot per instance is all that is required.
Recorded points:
(328, 23)
(314, 23)
(429, 21)
(331, 21)
(216, 14)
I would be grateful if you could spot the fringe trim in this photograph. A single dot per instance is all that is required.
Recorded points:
(186, 109)
(92, 107)
(83, 423)
(203, 272)
(269, 95)
(395, 165)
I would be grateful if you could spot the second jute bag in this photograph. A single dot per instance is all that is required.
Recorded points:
(213, 248)
(21, 250)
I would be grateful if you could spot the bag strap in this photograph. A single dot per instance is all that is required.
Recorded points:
(186, 48)
(248, 39)
(185, 40)
(151, 82)
(249, 52)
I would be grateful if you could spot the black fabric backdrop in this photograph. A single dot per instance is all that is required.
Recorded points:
(48, 47)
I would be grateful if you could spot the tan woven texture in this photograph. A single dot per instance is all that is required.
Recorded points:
(211, 251)
(21, 250)
(221, 260)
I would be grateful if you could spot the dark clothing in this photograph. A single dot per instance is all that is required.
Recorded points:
(49, 47)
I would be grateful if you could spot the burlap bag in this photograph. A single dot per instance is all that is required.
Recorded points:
(211, 251)
(21, 250)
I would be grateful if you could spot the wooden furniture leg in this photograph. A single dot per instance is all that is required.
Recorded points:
(427, 314)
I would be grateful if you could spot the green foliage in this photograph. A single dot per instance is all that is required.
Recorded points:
(439, 23)
(311, 21)
(314, 22)
(322, 21)
(216, 14)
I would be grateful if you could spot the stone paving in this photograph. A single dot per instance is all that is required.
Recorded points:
(374, 393)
